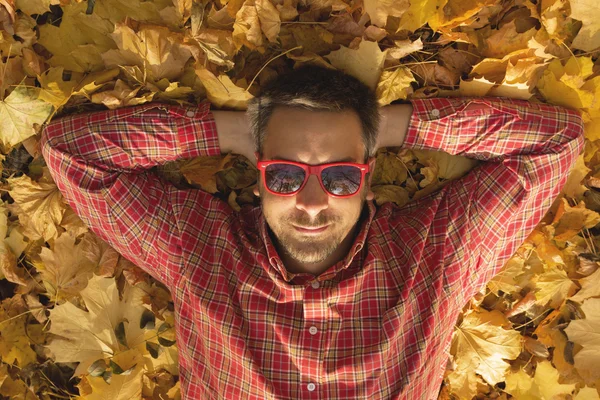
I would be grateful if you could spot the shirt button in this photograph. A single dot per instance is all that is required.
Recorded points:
(190, 113)
(311, 387)
(315, 284)
(313, 330)
(435, 112)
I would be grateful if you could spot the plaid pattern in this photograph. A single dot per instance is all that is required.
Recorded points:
(378, 324)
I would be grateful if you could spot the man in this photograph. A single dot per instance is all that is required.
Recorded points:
(364, 308)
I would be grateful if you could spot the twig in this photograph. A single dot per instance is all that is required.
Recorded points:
(267, 63)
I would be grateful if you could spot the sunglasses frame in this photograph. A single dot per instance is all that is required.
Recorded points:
(312, 170)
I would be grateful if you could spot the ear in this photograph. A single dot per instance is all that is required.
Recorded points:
(372, 162)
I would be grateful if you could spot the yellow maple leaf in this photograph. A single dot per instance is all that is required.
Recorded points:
(66, 269)
(587, 11)
(554, 286)
(55, 90)
(590, 287)
(364, 63)
(95, 331)
(19, 112)
(419, 12)
(379, 10)
(543, 386)
(39, 206)
(221, 91)
(586, 332)
(481, 344)
(394, 85)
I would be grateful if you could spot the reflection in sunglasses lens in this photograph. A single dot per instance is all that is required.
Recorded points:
(287, 178)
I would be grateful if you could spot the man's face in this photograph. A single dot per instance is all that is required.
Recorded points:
(312, 138)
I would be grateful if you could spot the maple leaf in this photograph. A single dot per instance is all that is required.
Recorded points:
(154, 49)
(39, 205)
(109, 328)
(379, 10)
(586, 332)
(364, 63)
(587, 12)
(221, 91)
(568, 221)
(19, 112)
(394, 85)
(66, 269)
(481, 345)
(543, 386)
(590, 287)
(554, 287)
(16, 338)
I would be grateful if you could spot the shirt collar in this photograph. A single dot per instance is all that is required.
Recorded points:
(277, 266)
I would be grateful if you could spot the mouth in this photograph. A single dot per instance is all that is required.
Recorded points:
(312, 231)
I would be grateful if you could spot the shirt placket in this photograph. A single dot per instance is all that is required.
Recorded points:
(312, 339)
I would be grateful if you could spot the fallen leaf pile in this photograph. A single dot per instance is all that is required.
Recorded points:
(77, 320)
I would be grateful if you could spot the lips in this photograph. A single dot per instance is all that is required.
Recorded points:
(311, 231)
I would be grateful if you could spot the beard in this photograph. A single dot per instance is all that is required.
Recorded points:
(310, 249)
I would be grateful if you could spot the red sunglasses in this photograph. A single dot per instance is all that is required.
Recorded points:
(286, 178)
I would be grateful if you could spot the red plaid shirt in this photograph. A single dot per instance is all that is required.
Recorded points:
(378, 324)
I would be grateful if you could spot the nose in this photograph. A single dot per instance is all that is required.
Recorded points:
(312, 199)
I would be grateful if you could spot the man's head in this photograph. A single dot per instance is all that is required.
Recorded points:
(314, 116)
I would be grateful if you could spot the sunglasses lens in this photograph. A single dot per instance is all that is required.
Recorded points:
(284, 178)
(342, 180)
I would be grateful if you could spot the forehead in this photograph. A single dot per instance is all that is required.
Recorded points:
(313, 137)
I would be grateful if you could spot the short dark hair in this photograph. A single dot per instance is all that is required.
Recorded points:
(316, 88)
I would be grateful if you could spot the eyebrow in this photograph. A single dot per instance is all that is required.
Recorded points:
(347, 159)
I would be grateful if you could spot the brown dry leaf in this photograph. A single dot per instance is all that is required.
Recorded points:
(255, 18)
(453, 13)
(121, 96)
(568, 220)
(39, 206)
(586, 332)
(202, 170)
(156, 50)
(16, 338)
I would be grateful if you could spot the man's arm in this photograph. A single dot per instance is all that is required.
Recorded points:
(528, 150)
(100, 163)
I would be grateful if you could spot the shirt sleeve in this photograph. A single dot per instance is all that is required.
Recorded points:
(527, 151)
(100, 162)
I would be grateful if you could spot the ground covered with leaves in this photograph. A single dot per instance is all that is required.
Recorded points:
(77, 320)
